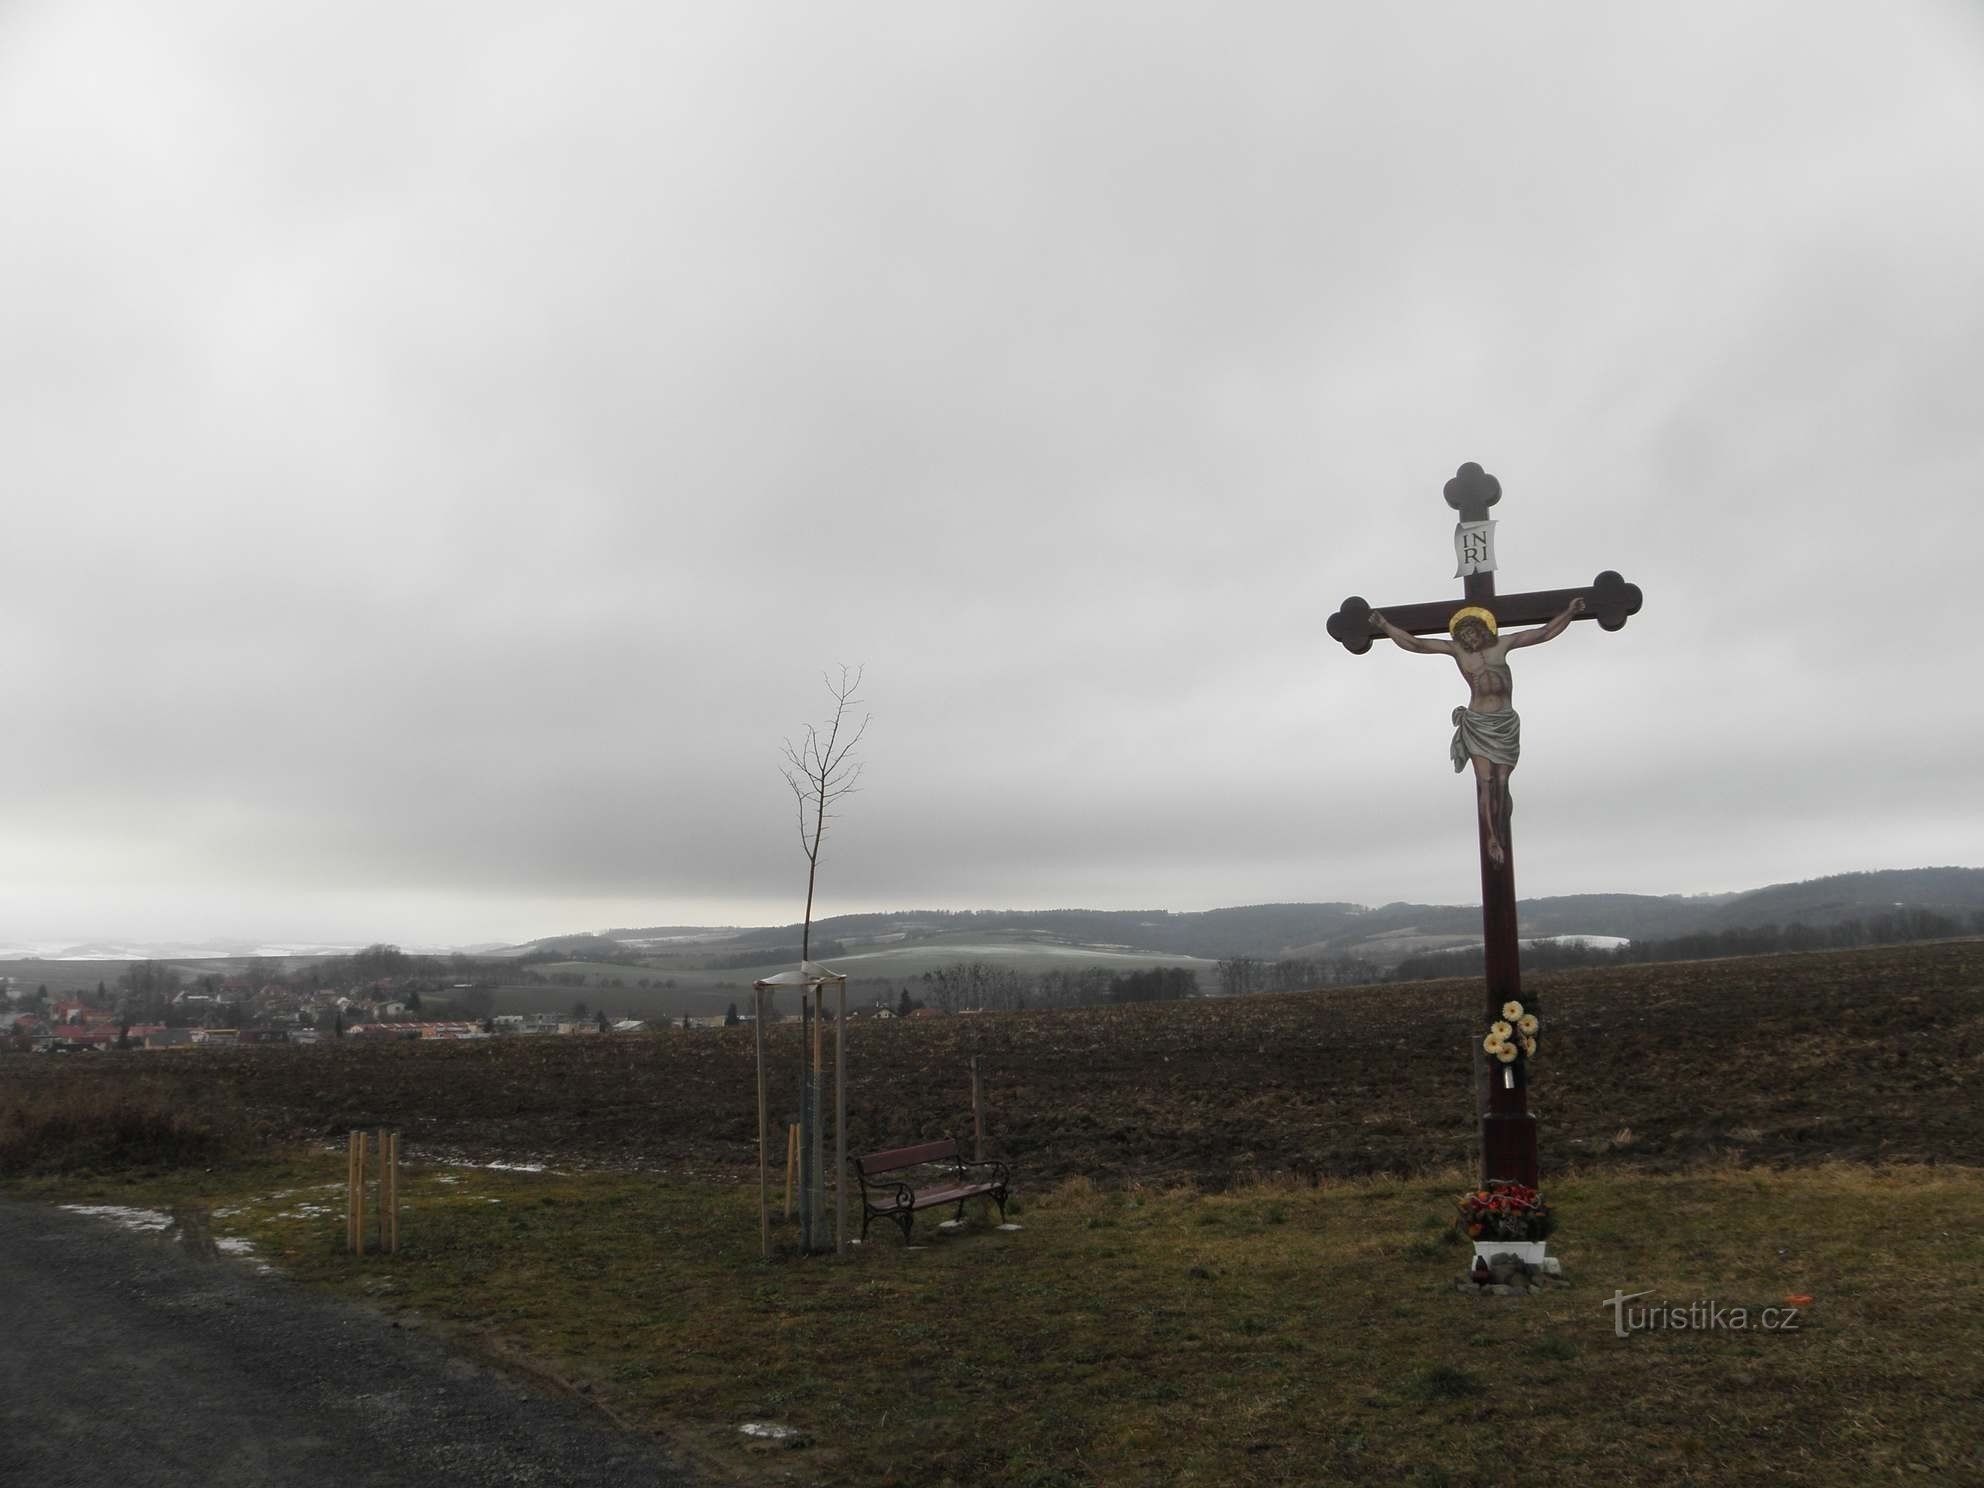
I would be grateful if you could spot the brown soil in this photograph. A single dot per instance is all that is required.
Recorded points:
(1867, 1054)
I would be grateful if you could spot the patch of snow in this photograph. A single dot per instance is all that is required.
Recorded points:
(768, 1430)
(143, 1221)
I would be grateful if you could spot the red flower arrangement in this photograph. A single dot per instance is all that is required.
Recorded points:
(1505, 1211)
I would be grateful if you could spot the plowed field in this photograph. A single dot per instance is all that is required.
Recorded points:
(1869, 1054)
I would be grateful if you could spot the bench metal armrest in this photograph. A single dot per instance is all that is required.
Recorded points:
(885, 1194)
(1004, 1173)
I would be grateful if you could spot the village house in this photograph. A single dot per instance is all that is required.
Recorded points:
(382, 1033)
(81, 1012)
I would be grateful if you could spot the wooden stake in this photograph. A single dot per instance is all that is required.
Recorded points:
(977, 1115)
(805, 1122)
(351, 1192)
(978, 1133)
(358, 1192)
(816, 1153)
(764, 1206)
(389, 1192)
(791, 1164)
(840, 1120)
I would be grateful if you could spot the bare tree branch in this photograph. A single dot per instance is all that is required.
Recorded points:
(820, 774)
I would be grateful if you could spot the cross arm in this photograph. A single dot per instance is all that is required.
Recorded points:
(1608, 599)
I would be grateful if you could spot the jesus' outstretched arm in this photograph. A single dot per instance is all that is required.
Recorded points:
(1546, 632)
(1407, 641)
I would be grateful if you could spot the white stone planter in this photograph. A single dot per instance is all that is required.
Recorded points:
(1529, 1252)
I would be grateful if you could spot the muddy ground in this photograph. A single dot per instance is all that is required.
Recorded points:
(1867, 1054)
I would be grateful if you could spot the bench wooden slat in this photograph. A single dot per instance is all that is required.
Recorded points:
(930, 1197)
(909, 1157)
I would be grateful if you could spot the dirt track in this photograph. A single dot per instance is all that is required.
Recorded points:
(1869, 1054)
(128, 1359)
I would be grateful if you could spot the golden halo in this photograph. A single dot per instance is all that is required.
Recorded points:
(1472, 612)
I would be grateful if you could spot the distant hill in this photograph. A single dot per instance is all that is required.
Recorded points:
(1854, 896)
(1382, 934)
(902, 942)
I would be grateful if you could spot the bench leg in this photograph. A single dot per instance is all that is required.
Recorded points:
(908, 1220)
(999, 1197)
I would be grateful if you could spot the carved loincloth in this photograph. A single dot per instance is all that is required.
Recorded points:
(1494, 737)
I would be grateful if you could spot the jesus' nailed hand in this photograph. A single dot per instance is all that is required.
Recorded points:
(1486, 731)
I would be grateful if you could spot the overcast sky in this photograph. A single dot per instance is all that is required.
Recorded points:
(443, 446)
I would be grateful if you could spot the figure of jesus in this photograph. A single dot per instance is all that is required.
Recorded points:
(1487, 730)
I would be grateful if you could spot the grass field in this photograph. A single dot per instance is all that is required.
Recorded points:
(1272, 1335)
(63, 978)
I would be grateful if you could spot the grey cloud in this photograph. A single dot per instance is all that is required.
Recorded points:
(444, 446)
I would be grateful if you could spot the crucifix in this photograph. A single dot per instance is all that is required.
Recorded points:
(1486, 736)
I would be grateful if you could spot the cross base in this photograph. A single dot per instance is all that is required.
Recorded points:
(1508, 1147)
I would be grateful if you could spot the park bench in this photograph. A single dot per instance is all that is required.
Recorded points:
(888, 1191)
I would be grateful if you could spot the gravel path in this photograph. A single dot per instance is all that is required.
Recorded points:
(126, 1359)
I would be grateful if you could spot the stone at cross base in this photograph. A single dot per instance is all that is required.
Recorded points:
(1508, 1129)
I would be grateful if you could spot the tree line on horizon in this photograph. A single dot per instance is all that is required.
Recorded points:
(981, 986)
(1900, 927)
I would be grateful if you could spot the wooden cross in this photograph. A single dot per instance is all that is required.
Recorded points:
(1508, 1130)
